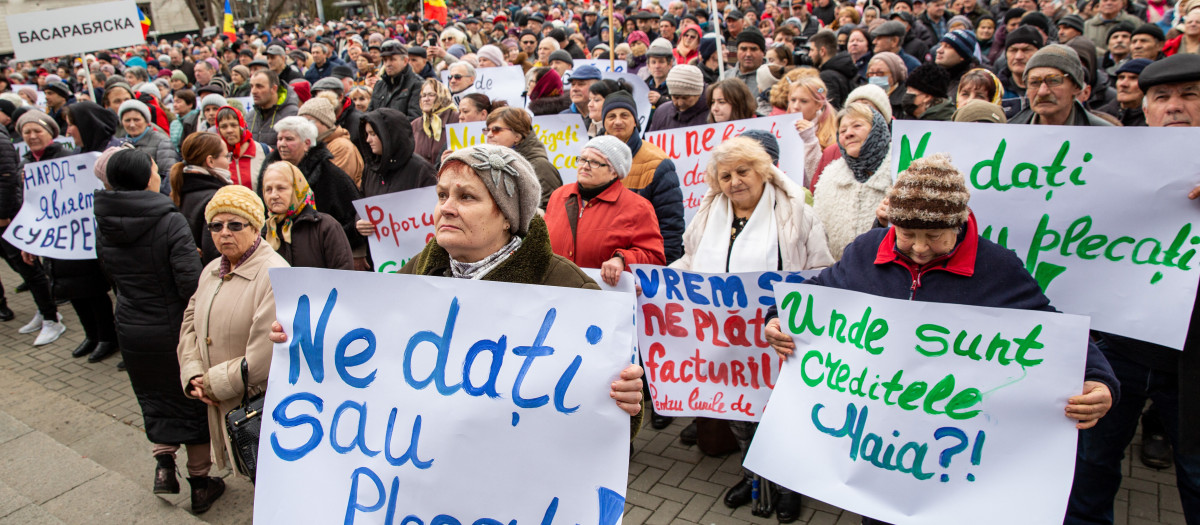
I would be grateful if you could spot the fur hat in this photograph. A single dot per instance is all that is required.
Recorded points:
(686, 80)
(930, 194)
(238, 200)
(617, 153)
(508, 177)
(932, 79)
(36, 116)
(320, 109)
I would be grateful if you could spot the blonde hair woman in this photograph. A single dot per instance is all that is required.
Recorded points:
(817, 122)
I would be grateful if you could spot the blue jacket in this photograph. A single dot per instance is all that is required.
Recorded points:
(978, 272)
(316, 72)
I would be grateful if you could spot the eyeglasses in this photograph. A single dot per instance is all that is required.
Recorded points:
(689, 35)
(529, 42)
(216, 227)
(495, 130)
(1052, 80)
(591, 164)
(456, 77)
(447, 39)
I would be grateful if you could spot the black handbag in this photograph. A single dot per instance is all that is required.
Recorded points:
(243, 424)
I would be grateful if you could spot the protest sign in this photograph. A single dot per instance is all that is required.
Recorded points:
(1073, 203)
(603, 65)
(403, 225)
(691, 148)
(563, 136)
(498, 83)
(641, 94)
(23, 148)
(56, 218)
(625, 284)
(702, 343)
(41, 95)
(463, 402)
(918, 413)
(247, 103)
(72, 30)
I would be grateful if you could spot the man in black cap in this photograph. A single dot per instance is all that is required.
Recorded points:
(733, 25)
(926, 98)
(751, 49)
(666, 29)
(533, 23)
(1118, 47)
(418, 60)
(647, 22)
(837, 69)
(277, 60)
(347, 116)
(1127, 105)
(399, 87)
(1069, 27)
(1145, 370)
(1147, 42)
(1019, 47)
(475, 39)
(58, 96)
(323, 63)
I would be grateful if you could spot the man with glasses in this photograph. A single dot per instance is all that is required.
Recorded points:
(1054, 78)
(529, 43)
(460, 79)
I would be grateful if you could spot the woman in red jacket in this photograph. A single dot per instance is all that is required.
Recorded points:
(597, 222)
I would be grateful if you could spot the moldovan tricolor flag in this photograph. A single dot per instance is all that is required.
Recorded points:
(145, 22)
(435, 10)
(228, 29)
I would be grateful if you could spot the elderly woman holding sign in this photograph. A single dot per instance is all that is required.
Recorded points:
(933, 252)
(223, 348)
(753, 219)
(488, 228)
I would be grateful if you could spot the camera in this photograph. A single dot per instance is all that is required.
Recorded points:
(800, 52)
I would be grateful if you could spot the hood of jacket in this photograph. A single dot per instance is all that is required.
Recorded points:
(123, 217)
(531, 148)
(96, 125)
(395, 133)
(842, 63)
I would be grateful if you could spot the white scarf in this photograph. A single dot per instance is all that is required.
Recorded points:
(757, 246)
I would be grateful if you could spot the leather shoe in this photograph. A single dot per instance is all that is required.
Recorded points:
(739, 494)
(659, 422)
(23, 287)
(688, 436)
(787, 507)
(84, 348)
(165, 481)
(6, 314)
(103, 351)
(205, 490)
(1156, 450)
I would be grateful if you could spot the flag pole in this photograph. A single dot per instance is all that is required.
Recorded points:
(716, 24)
(612, 46)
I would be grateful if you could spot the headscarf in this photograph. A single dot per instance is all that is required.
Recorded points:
(279, 227)
(874, 148)
(246, 135)
(432, 124)
(550, 85)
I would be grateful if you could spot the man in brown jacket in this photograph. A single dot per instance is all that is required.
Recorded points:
(321, 113)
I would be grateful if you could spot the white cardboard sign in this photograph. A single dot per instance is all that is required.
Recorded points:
(56, 218)
(563, 135)
(73, 30)
(498, 83)
(403, 225)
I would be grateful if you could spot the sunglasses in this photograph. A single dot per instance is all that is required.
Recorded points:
(216, 227)
(456, 77)
(495, 130)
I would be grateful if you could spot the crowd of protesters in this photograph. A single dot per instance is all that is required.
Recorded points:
(225, 156)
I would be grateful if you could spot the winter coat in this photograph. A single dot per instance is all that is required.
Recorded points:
(227, 321)
(978, 272)
(12, 182)
(316, 72)
(615, 221)
(840, 76)
(350, 119)
(942, 111)
(183, 126)
(667, 117)
(549, 105)
(158, 146)
(1128, 117)
(801, 236)
(261, 121)
(1079, 117)
(317, 242)
(147, 251)
(535, 152)
(345, 153)
(194, 194)
(534, 262)
(401, 92)
(652, 176)
(847, 207)
(428, 147)
(239, 90)
(332, 189)
(396, 169)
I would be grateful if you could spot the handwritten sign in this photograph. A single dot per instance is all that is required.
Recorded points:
(498, 83)
(23, 148)
(1106, 234)
(378, 407)
(604, 65)
(71, 30)
(691, 148)
(563, 136)
(916, 413)
(702, 342)
(403, 225)
(56, 218)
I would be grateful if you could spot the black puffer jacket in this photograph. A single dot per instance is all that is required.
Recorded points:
(840, 76)
(397, 169)
(11, 181)
(401, 92)
(146, 249)
(332, 189)
(195, 192)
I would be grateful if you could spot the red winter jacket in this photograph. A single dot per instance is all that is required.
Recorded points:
(617, 220)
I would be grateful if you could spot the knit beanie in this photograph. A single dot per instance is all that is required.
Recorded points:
(179, 75)
(686, 80)
(766, 79)
(980, 111)
(212, 100)
(7, 107)
(752, 36)
(1024, 35)
(638, 36)
(768, 141)
(134, 105)
(36, 116)
(458, 50)
(1150, 29)
(1059, 57)
(930, 194)
(320, 109)
(1120, 27)
(708, 46)
(509, 178)
(1134, 66)
(876, 96)
(617, 153)
(931, 79)
(238, 200)
(1072, 21)
(243, 71)
(1038, 20)
(961, 19)
(148, 88)
(561, 55)
(962, 41)
(100, 168)
(661, 48)
(895, 65)
(492, 53)
(58, 87)
(619, 99)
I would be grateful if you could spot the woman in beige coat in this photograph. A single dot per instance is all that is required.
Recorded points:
(230, 315)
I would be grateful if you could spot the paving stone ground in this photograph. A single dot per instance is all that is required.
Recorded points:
(73, 450)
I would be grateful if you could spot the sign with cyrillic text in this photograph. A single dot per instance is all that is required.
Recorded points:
(403, 225)
(56, 218)
(73, 30)
(23, 148)
(702, 341)
(505, 83)
(691, 148)
(917, 413)
(418, 399)
(1106, 233)
(563, 136)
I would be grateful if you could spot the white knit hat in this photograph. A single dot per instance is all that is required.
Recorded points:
(134, 105)
(614, 151)
(492, 53)
(685, 80)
